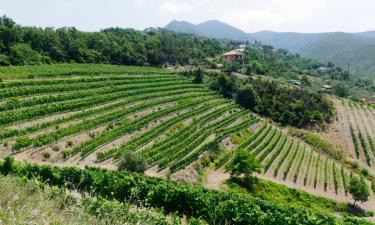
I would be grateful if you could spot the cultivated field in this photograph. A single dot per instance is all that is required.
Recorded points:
(91, 115)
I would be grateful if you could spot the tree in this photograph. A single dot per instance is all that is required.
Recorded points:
(132, 162)
(23, 54)
(341, 91)
(226, 85)
(305, 81)
(7, 166)
(198, 76)
(244, 163)
(358, 189)
(247, 97)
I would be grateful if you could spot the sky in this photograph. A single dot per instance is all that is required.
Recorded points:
(248, 15)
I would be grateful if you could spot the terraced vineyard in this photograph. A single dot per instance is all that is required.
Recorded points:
(85, 117)
(358, 121)
(93, 115)
(289, 161)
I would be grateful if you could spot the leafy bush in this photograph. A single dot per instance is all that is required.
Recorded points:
(132, 162)
(210, 205)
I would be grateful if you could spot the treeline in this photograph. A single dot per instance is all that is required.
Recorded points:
(193, 201)
(286, 105)
(32, 45)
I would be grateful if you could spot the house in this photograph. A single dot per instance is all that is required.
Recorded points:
(326, 88)
(241, 48)
(232, 56)
(294, 82)
(323, 69)
(201, 37)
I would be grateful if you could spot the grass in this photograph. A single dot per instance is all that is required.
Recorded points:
(25, 201)
(318, 143)
(30, 72)
(283, 195)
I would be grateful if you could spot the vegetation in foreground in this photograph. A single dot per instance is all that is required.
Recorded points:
(194, 201)
(24, 201)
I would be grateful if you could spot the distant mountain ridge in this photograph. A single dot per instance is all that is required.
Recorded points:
(355, 49)
(211, 28)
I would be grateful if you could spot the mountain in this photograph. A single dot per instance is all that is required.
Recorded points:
(211, 28)
(368, 33)
(355, 49)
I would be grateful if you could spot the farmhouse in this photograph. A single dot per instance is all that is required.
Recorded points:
(294, 82)
(323, 69)
(232, 56)
(326, 88)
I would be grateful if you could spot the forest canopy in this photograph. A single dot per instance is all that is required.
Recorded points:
(32, 46)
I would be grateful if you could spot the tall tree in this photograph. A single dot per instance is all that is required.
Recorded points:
(358, 189)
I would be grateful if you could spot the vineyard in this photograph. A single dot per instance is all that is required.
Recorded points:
(289, 161)
(357, 126)
(92, 115)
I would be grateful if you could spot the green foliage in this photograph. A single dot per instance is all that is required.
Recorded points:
(326, 174)
(43, 204)
(271, 191)
(31, 45)
(308, 167)
(344, 179)
(364, 147)
(355, 141)
(305, 81)
(132, 162)
(224, 85)
(247, 97)
(358, 189)
(318, 143)
(335, 178)
(317, 167)
(23, 54)
(283, 157)
(190, 200)
(243, 162)
(299, 164)
(291, 159)
(198, 76)
(7, 166)
(288, 106)
(341, 90)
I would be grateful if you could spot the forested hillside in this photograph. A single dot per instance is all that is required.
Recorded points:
(31, 46)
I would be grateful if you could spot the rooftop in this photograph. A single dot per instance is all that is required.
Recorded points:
(232, 52)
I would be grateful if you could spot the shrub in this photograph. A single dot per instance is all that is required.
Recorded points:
(55, 148)
(132, 162)
(46, 155)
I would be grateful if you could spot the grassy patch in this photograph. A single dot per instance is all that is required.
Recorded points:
(25, 201)
(318, 143)
(291, 197)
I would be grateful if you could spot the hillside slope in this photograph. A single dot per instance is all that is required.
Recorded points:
(87, 116)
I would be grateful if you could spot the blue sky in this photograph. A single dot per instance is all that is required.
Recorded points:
(248, 15)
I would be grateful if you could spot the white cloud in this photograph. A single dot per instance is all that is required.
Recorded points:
(175, 8)
(278, 15)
